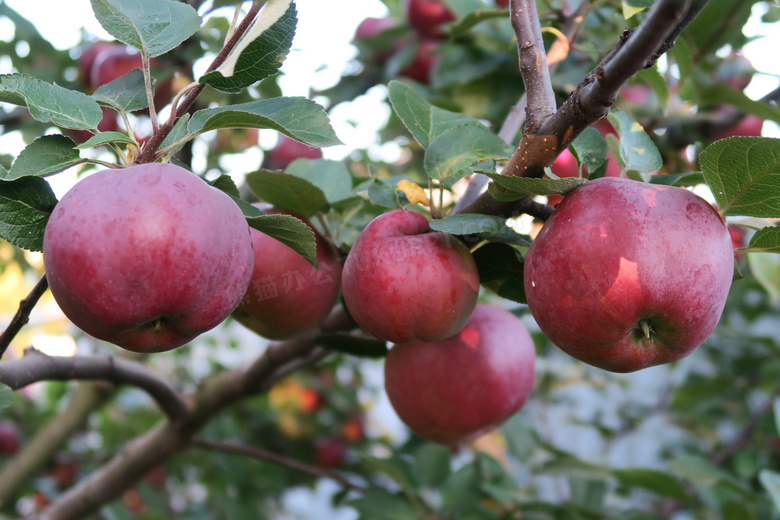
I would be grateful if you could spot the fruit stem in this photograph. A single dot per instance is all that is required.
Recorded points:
(646, 329)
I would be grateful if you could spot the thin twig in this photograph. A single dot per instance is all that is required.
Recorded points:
(22, 315)
(281, 460)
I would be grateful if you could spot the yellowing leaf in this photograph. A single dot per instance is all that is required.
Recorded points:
(413, 192)
(560, 47)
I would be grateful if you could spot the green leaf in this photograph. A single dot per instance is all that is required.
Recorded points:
(394, 467)
(226, 184)
(771, 482)
(766, 240)
(632, 7)
(450, 155)
(296, 117)
(500, 269)
(285, 191)
(383, 194)
(657, 82)
(151, 26)
(353, 345)
(487, 227)
(637, 151)
(776, 412)
(424, 121)
(49, 103)
(105, 138)
(290, 231)
(260, 52)
(470, 20)
(766, 270)
(678, 179)
(431, 464)
(332, 177)
(519, 187)
(25, 206)
(743, 174)
(590, 148)
(179, 135)
(126, 93)
(461, 489)
(718, 94)
(378, 504)
(652, 480)
(6, 396)
(704, 473)
(45, 156)
(683, 56)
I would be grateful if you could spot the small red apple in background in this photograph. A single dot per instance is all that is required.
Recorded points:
(286, 295)
(748, 126)
(353, 430)
(371, 27)
(455, 390)
(64, 473)
(421, 66)
(330, 453)
(109, 123)
(147, 257)
(736, 71)
(404, 282)
(738, 236)
(566, 166)
(286, 151)
(426, 17)
(9, 437)
(627, 275)
(87, 59)
(636, 94)
(502, 3)
(113, 62)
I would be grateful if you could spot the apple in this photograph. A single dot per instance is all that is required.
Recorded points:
(739, 240)
(736, 71)
(113, 62)
(371, 27)
(9, 437)
(404, 282)
(565, 165)
(455, 390)
(749, 126)
(626, 275)
(353, 430)
(147, 257)
(287, 296)
(330, 453)
(421, 66)
(502, 3)
(426, 17)
(286, 151)
(87, 59)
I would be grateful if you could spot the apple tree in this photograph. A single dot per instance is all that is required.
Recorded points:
(549, 289)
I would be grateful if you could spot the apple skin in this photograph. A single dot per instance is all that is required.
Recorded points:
(425, 16)
(617, 253)
(147, 257)
(330, 453)
(88, 56)
(421, 66)
(9, 438)
(502, 3)
(404, 282)
(455, 390)
(370, 27)
(286, 151)
(748, 126)
(299, 298)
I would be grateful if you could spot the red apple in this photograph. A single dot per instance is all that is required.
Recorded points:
(9, 437)
(371, 27)
(627, 275)
(455, 390)
(421, 66)
(113, 62)
(87, 59)
(566, 166)
(330, 453)
(735, 71)
(147, 257)
(286, 295)
(286, 151)
(502, 3)
(404, 282)
(749, 126)
(636, 94)
(426, 17)
(738, 236)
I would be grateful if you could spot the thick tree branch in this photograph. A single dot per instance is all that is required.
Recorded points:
(278, 459)
(148, 154)
(36, 366)
(215, 394)
(22, 315)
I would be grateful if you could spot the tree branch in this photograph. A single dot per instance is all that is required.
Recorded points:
(278, 459)
(22, 315)
(36, 366)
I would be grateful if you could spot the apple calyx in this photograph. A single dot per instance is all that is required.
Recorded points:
(645, 328)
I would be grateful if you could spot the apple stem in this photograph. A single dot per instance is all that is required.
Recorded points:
(157, 324)
(646, 329)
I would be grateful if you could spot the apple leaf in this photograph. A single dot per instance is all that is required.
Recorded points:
(431, 464)
(470, 20)
(297, 117)
(380, 504)
(766, 270)
(771, 482)
(25, 206)
(487, 227)
(178, 136)
(590, 148)
(519, 187)
(632, 7)
(500, 269)
(703, 472)
(45, 156)
(151, 26)
(126, 93)
(656, 481)
(105, 138)
(461, 489)
(637, 151)
(743, 174)
(225, 183)
(288, 230)
(332, 177)
(285, 191)
(719, 94)
(424, 121)
(260, 52)
(353, 345)
(766, 240)
(657, 82)
(383, 194)
(6, 396)
(678, 179)
(49, 103)
(450, 155)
